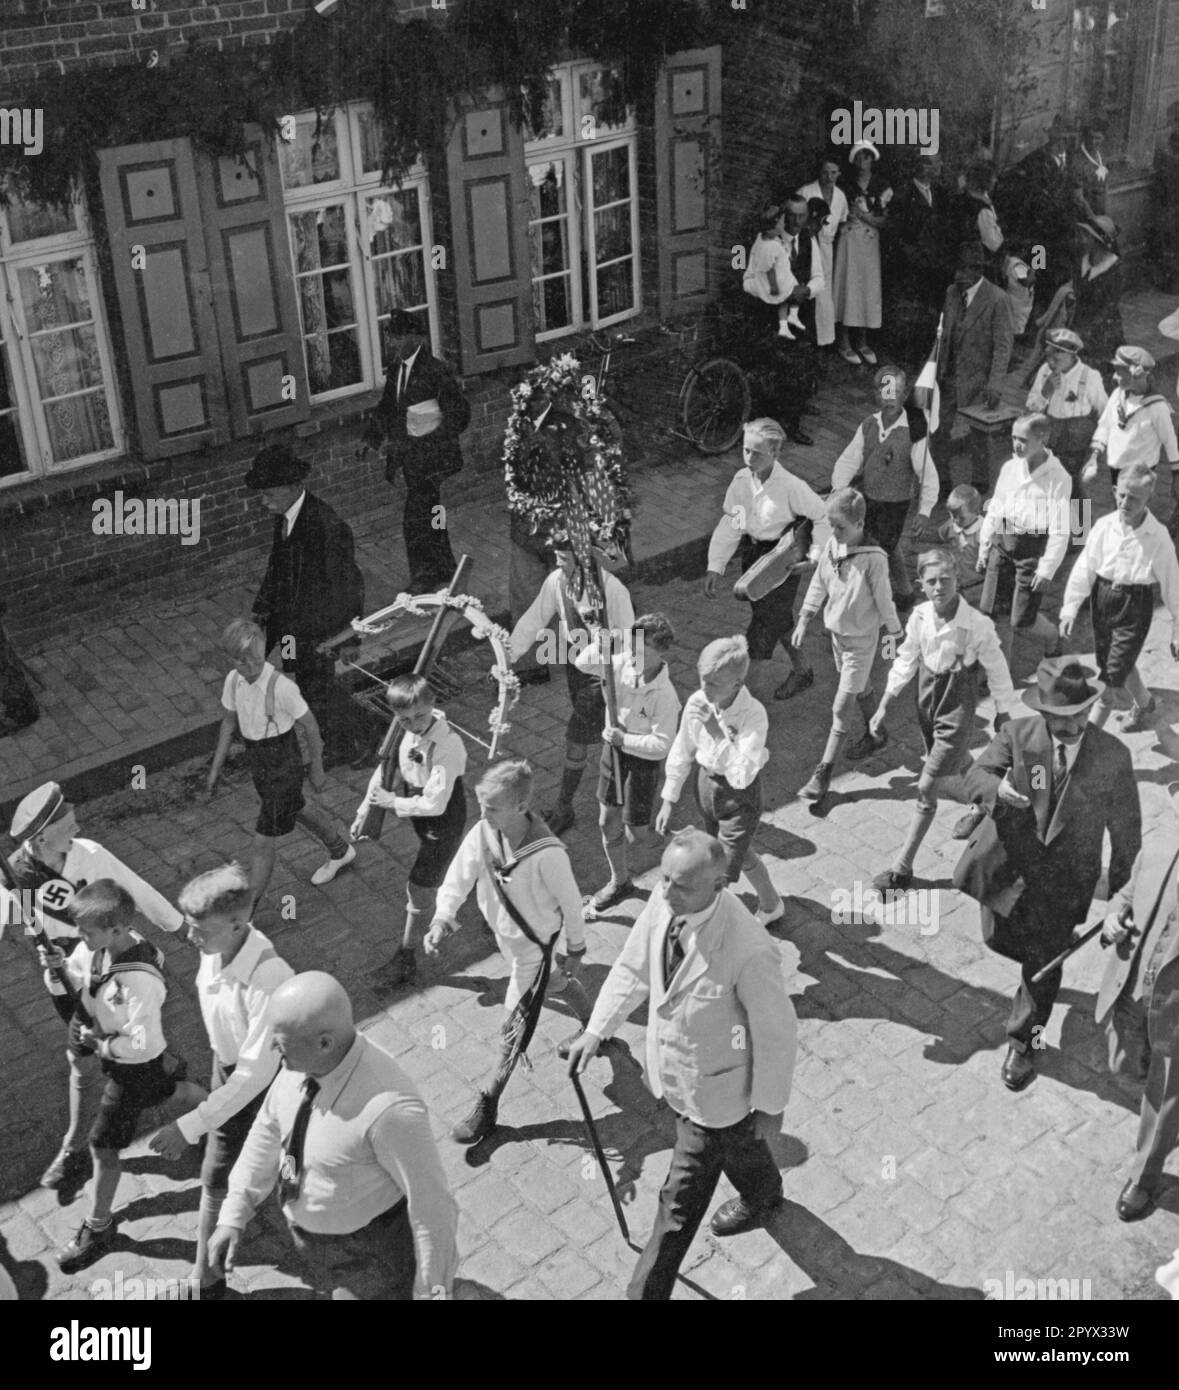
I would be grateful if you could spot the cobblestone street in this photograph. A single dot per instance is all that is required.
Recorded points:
(910, 1171)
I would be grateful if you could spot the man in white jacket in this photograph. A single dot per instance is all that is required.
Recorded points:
(720, 1049)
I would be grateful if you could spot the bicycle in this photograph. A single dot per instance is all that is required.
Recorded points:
(712, 403)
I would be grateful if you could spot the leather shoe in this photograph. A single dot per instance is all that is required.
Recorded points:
(1134, 1202)
(799, 436)
(738, 1216)
(1018, 1069)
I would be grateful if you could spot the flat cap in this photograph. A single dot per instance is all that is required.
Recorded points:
(39, 809)
(1066, 339)
(1137, 359)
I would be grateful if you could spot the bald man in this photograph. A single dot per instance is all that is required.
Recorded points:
(346, 1136)
(720, 1049)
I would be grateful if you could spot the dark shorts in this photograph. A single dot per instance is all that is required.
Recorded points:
(1014, 557)
(132, 1087)
(440, 837)
(946, 705)
(1122, 616)
(772, 618)
(885, 522)
(640, 784)
(731, 815)
(276, 765)
(222, 1145)
(588, 718)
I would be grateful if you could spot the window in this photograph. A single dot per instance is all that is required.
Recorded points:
(1101, 68)
(359, 248)
(583, 224)
(58, 408)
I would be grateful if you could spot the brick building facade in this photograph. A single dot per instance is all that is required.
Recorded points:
(221, 303)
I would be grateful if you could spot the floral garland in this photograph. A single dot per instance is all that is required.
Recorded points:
(421, 606)
(538, 488)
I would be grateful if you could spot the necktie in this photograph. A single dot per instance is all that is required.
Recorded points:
(402, 374)
(673, 950)
(291, 1172)
(1059, 772)
(966, 299)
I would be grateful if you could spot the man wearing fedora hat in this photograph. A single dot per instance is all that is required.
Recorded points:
(1072, 395)
(1138, 1003)
(52, 862)
(1053, 786)
(312, 589)
(420, 416)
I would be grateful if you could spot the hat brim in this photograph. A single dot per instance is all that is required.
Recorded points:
(1031, 699)
(260, 481)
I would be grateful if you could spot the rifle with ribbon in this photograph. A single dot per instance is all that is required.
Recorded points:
(36, 933)
(611, 694)
(374, 818)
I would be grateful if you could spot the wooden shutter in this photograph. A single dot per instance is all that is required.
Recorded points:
(687, 173)
(489, 208)
(150, 198)
(253, 289)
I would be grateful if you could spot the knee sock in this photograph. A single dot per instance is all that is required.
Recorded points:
(617, 858)
(571, 777)
(419, 908)
(918, 829)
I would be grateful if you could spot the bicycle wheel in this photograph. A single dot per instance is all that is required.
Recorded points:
(714, 404)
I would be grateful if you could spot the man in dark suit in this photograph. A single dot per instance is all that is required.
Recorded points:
(1036, 199)
(1139, 1005)
(797, 377)
(420, 417)
(915, 245)
(312, 589)
(977, 336)
(1053, 786)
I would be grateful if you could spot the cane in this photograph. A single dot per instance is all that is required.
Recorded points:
(601, 1157)
(1057, 961)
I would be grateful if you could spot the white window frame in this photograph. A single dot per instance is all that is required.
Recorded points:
(576, 151)
(353, 188)
(32, 424)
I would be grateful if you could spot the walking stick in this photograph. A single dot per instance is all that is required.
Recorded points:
(601, 1157)
(1057, 961)
(612, 704)
(387, 753)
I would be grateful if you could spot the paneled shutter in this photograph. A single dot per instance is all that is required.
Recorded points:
(253, 289)
(489, 206)
(687, 170)
(151, 202)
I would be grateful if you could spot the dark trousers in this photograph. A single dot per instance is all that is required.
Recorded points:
(375, 1263)
(942, 445)
(18, 704)
(1131, 1054)
(697, 1162)
(427, 541)
(338, 719)
(1032, 1006)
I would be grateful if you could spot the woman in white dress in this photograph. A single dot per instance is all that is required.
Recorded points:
(857, 257)
(826, 186)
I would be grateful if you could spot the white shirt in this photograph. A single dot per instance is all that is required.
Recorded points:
(965, 638)
(989, 231)
(234, 999)
(1125, 555)
(849, 463)
(1147, 437)
(761, 510)
(432, 763)
(542, 889)
(1070, 751)
(87, 861)
(291, 515)
(620, 615)
(128, 1005)
(368, 1144)
(738, 756)
(648, 711)
(1080, 383)
(973, 290)
(248, 700)
(1031, 503)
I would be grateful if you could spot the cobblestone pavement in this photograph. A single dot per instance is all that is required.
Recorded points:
(910, 1171)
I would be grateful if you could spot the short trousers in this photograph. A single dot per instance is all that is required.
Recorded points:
(588, 717)
(439, 837)
(1122, 615)
(772, 618)
(1018, 556)
(276, 766)
(946, 704)
(853, 660)
(885, 522)
(132, 1087)
(731, 814)
(640, 784)
(223, 1144)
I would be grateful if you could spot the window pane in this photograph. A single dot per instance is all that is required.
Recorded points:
(615, 289)
(54, 294)
(320, 237)
(371, 141)
(79, 426)
(611, 176)
(29, 220)
(1101, 67)
(552, 125)
(67, 361)
(401, 283)
(394, 222)
(547, 188)
(612, 233)
(333, 361)
(307, 160)
(552, 303)
(599, 96)
(11, 455)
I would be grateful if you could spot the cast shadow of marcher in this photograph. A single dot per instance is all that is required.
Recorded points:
(29, 1276)
(1082, 1058)
(840, 1272)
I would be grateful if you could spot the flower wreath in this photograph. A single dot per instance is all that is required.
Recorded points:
(574, 479)
(423, 605)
